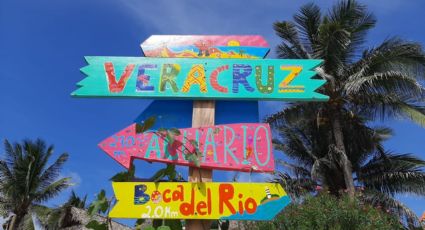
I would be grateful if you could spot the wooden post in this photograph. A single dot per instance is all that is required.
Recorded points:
(203, 115)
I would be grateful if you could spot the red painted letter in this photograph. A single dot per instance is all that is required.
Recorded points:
(225, 192)
(114, 86)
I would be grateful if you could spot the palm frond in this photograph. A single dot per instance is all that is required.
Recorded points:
(394, 173)
(308, 22)
(393, 54)
(52, 172)
(356, 20)
(288, 32)
(52, 190)
(385, 83)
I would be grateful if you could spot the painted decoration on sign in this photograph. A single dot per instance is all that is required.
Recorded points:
(192, 46)
(205, 40)
(173, 200)
(189, 78)
(207, 52)
(237, 147)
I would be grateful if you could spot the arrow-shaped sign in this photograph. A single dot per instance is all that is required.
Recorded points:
(237, 147)
(200, 78)
(172, 200)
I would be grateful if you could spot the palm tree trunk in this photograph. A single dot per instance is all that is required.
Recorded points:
(15, 222)
(346, 164)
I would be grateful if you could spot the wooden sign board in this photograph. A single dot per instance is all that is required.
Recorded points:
(204, 40)
(201, 79)
(173, 200)
(237, 147)
(200, 46)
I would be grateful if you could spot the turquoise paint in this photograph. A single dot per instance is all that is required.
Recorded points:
(268, 146)
(245, 161)
(96, 84)
(265, 211)
(227, 150)
(209, 140)
(155, 147)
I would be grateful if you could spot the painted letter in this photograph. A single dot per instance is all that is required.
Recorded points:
(270, 79)
(153, 147)
(196, 75)
(227, 144)
(248, 202)
(240, 77)
(225, 194)
(284, 86)
(114, 86)
(209, 140)
(142, 84)
(268, 145)
(168, 74)
(214, 81)
(186, 208)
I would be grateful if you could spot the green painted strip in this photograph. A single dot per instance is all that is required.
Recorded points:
(187, 78)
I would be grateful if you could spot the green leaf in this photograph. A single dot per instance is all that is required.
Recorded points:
(194, 143)
(193, 158)
(174, 131)
(100, 205)
(125, 176)
(170, 171)
(147, 124)
(163, 228)
(173, 224)
(96, 225)
(170, 138)
(158, 175)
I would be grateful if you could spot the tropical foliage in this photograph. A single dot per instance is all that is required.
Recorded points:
(333, 144)
(327, 212)
(26, 179)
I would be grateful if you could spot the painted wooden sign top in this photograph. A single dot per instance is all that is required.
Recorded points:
(172, 200)
(237, 147)
(192, 46)
(199, 78)
(214, 40)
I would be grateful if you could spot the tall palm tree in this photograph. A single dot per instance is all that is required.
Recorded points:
(380, 82)
(378, 174)
(26, 179)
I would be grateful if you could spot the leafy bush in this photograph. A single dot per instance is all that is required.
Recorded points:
(328, 212)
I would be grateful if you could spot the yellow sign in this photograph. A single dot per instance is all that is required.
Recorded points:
(175, 200)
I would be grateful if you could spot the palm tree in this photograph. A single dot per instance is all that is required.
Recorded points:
(313, 165)
(380, 82)
(26, 179)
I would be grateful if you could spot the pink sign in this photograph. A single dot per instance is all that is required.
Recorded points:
(236, 147)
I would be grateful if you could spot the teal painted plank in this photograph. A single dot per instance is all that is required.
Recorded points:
(189, 78)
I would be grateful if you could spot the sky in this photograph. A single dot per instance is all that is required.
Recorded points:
(42, 45)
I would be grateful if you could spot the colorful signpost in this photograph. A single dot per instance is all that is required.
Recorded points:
(202, 68)
(200, 46)
(233, 201)
(183, 78)
(237, 147)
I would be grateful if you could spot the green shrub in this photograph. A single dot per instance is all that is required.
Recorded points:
(328, 212)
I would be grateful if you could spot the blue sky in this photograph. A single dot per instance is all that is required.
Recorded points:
(42, 44)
